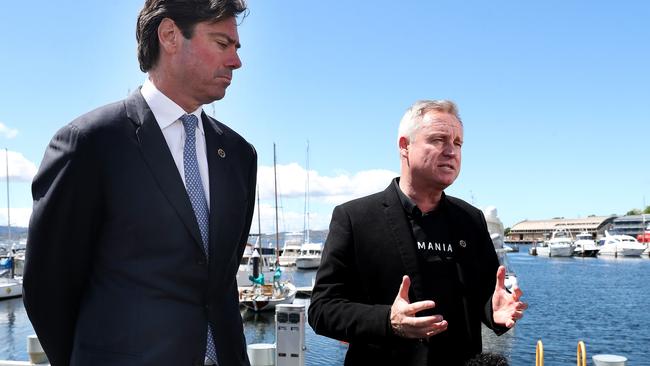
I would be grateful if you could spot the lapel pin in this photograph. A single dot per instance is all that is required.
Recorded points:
(462, 243)
(221, 153)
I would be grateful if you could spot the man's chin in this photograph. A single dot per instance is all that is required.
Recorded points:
(216, 96)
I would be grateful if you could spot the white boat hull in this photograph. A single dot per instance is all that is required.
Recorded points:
(555, 251)
(10, 288)
(618, 251)
(287, 261)
(621, 246)
(290, 252)
(308, 262)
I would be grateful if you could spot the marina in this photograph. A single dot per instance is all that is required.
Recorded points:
(601, 301)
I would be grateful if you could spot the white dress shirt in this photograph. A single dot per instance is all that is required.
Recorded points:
(167, 115)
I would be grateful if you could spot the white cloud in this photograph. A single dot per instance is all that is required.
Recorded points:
(7, 132)
(335, 189)
(19, 216)
(325, 192)
(20, 169)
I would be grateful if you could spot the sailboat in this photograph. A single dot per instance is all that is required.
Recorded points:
(310, 253)
(10, 285)
(260, 296)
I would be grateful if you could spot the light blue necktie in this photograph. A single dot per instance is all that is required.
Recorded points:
(194, 187)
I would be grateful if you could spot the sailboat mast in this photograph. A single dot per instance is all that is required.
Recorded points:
(259, 220)
(275, 187)
(306, 213)
(307, 194)
(8, 205)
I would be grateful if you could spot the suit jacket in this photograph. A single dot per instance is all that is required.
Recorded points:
(370, 246)
(115, 271)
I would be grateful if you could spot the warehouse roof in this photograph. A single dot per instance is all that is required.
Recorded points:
(586, 223)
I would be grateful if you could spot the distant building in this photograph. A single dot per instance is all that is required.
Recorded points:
(529, 231)
(630, 225)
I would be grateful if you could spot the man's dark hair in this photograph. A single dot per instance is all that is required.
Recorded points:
(185, 13)
(487, 359)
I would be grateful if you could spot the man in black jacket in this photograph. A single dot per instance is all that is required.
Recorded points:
(409, 273)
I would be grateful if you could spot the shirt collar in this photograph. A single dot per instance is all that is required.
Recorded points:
(412, 210)
(164, 109)
(409, 206)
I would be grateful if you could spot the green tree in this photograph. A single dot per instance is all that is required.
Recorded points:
(506, 232)
(647, 210)
(634, 211)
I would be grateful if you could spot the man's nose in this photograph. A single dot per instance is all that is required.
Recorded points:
(234, 62)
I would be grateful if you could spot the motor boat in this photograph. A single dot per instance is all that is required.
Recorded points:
(621, 246)
(559, 245)
(511, 248)
(291, 250)
(585, 246)
(310, 256)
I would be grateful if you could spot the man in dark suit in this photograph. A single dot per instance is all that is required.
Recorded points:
(409, 273)
(142, 209)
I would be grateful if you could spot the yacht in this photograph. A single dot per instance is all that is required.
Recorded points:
(585, 246)
(621, 246)
(291, 250)
(559, 245)
(265, 297)
(310, 256)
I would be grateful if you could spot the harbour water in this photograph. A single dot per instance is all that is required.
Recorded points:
(604, 302)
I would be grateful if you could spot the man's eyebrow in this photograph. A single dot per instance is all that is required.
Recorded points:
(227, 37)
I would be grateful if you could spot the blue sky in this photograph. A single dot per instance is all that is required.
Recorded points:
(554, 96)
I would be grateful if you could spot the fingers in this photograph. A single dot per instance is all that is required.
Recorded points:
(516, 292)
(418, 306)
(517, 315)
(501, 277)
(403, 292)
(437, 329)
(422, 327)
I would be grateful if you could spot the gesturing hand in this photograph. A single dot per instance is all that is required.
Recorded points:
(405, 323)
(506, 307)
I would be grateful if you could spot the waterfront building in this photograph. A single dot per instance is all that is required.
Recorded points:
(530, 231)
(632, 225)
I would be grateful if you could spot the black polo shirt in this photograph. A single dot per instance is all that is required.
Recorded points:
(439, 253)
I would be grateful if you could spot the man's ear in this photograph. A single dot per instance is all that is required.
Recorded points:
(403, 146)
(169, 35)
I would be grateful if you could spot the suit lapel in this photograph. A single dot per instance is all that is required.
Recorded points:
(403, 238)
(160, 162)
(221, 192)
